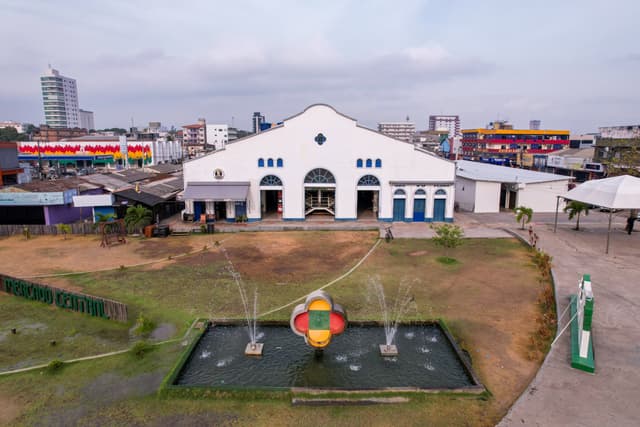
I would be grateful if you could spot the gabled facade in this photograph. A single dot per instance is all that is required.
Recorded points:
(319, 163)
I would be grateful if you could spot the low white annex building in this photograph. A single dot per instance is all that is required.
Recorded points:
(483, 187)
(319, 162)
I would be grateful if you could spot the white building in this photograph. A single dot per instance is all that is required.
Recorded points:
(399, 130)
(320, 162)
(448, 123)
(60, 99)
(482, 187)
(217, 136)
(19, 127)
(86, 119)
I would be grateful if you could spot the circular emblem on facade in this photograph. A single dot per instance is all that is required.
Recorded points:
(218, 174)
(320, 139)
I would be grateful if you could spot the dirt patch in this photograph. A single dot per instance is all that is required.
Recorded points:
(9, 410)
(51, 254)
(418, 253)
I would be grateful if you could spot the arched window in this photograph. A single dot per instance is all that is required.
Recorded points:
(260, 162)
(271, 181)
(420, 192)
(368, 180)
(378, 163)
(369, 163)
(441, 192)
(399, 192)
(279, 163)
(269, 163)
(319, 176)
(359, 163)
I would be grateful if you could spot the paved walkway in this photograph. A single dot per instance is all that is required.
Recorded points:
(559, 395)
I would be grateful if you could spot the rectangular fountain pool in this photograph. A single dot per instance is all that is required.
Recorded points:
(427, 360)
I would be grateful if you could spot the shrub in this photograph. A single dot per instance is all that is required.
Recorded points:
(140, 349)
(54, 366)
(144, 325)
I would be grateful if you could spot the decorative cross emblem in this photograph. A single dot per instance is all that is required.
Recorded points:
(320, 139)
(318, 319)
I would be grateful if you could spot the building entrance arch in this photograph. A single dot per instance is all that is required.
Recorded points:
(367, 203)
(271, 196)
(319, 192)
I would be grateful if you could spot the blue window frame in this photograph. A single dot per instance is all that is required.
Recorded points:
(269, 163)
(359, 163)
(260, 162)
(279, 163)
(441, 192)
(378, 163)
(369, 163)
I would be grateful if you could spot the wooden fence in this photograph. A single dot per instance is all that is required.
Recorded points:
(39, 229)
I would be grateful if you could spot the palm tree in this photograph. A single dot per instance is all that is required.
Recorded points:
(575, 209)
(137, 217)
(523, 213)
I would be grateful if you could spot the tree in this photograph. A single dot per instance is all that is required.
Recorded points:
(448, 236)
(575, 208)
(11, 134)
(137, 217)
(523, 213)
(625, 160)
(64, 229)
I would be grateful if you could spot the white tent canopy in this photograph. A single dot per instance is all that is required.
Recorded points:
(619, 192)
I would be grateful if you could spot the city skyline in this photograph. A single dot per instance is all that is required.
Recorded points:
(572, 65)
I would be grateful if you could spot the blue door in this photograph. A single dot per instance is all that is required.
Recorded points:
(418, 209)
(198, 209)
(241, 209)
(438, 209)
(398, 209)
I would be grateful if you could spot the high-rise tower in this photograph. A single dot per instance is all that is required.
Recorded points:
(60, 99)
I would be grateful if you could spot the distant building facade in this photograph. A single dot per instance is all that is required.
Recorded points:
(615, 142)
(9, 167)
(19, 127)
(49, 134)
(194, 138)
(60, 100)
(399, 130)
(217, 135)
(448, 122)
(86, 119)
(501, 143)
(256, 122)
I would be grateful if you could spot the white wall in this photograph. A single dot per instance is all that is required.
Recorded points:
(345, 143)
(466, 194)
(477, 196)
(541, 197)
(487, 197)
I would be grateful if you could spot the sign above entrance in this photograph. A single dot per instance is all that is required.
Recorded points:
(320, 139)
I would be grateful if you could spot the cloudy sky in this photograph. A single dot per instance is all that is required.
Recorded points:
(574, 64)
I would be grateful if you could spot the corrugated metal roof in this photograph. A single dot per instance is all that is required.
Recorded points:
(478, 171)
